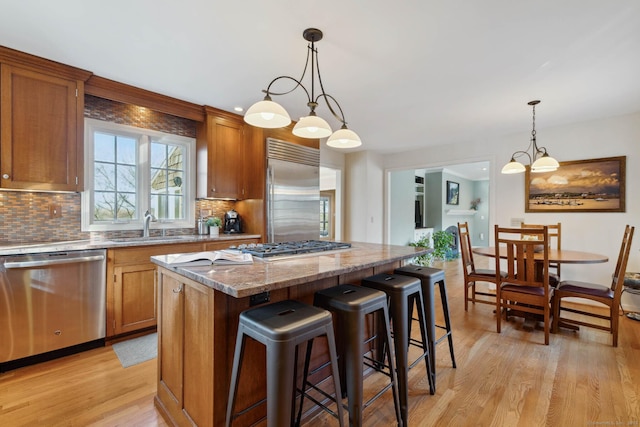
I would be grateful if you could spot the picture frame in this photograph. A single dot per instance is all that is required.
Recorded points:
(453, 193)
(594, 185)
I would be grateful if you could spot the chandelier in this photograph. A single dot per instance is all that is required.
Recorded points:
(539, 159)
(270, 114)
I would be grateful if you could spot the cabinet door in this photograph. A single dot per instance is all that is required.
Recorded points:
(225, 157)
(40, 127)
(134, 298)
(198, 354)
(171, 337)
(186, 354)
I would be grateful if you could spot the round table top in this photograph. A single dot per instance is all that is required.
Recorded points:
(562, 256)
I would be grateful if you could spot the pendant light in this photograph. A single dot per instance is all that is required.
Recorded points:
(539, 159)
(269, 114)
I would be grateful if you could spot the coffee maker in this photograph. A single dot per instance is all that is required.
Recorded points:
(232, 222)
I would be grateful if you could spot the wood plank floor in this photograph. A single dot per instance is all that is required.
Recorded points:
(505, 379)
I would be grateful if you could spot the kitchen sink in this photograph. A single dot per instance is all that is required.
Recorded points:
(151, 239)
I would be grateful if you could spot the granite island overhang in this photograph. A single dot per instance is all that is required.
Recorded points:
(198, 312)
(270, 274)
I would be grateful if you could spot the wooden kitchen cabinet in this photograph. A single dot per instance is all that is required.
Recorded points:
(220, 170)
(185, 363)
(214, 246)
(131, 286)
(41, 111)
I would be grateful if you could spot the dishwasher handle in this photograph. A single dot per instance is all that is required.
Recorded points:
(47, 262)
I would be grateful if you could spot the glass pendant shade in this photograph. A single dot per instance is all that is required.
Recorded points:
(312, 127)
(545, 163)
(344, 138)
(513, 167)
(267, 114)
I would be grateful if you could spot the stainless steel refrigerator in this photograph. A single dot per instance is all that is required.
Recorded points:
(293, 192)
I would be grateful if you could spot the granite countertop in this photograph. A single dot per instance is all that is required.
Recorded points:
(265, 275)
(77, 245)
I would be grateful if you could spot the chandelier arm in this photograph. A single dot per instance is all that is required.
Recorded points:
(519, 153)
(326, 96)
(298, 84)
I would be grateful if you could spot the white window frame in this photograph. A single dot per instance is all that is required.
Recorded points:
(145, 137)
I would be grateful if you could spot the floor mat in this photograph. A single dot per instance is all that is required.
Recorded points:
(137, 350)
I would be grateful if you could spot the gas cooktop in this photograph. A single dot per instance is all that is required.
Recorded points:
(264, 250)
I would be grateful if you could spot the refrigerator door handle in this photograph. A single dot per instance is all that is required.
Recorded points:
(270, 192)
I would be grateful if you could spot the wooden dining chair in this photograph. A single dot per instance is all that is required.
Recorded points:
(555, 234)
(473, 274)
(522, 289)
(607, 295)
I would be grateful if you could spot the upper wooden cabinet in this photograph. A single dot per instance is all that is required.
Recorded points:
(220, 157)
(41, 117)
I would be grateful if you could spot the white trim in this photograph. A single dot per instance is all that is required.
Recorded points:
(144, 137)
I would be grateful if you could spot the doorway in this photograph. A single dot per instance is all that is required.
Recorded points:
(330, 203)
(426, 209)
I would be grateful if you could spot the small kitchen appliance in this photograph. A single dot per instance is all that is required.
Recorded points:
(232, 222)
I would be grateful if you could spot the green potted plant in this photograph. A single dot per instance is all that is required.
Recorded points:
(214, 224)
(443, 243)
(427, 259)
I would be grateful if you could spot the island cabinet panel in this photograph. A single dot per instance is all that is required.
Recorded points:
(41, 137)
(187, 353)
(171, 340)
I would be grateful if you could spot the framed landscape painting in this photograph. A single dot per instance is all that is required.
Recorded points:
(596, 185)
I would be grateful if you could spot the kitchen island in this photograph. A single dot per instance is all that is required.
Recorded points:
(199, 310)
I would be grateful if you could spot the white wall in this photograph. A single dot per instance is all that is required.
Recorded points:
(364, 198)
(595, 232)
(402, 214)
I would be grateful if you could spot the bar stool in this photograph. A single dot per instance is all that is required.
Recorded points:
(402, 292)
(631, 285)
(281, 327)
(430, 277)
(352, 304)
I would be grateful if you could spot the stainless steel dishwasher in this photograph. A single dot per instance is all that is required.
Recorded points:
(51, 301)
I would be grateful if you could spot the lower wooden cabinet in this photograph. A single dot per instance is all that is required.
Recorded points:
(134, 298)
(131, 283)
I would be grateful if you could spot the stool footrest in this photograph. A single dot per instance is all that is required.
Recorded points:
(317, 402)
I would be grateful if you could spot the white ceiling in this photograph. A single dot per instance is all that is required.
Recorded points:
(407, 74)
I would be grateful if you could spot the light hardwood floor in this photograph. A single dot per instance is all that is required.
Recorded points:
(505, 379)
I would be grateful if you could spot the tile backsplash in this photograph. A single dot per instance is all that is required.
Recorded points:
(25, 217)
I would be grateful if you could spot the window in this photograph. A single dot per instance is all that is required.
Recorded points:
(129, 170)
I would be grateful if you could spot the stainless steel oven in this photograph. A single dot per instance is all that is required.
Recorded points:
(50, 301)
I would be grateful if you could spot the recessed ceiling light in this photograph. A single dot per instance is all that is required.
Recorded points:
(238, 109)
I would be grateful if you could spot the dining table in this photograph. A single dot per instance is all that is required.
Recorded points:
(562, 256)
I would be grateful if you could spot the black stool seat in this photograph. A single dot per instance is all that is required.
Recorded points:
(403, 292)
(351, 304)
(430, 277)
(281, 327)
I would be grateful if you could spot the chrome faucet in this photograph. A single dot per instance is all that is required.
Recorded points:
(147, 219)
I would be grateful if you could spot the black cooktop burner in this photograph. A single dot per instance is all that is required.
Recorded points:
(264, 250)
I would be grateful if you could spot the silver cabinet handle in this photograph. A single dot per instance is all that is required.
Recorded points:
(44, 263)
(5, 176)
(177, 290)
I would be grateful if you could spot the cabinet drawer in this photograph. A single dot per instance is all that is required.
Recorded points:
(141, 254)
